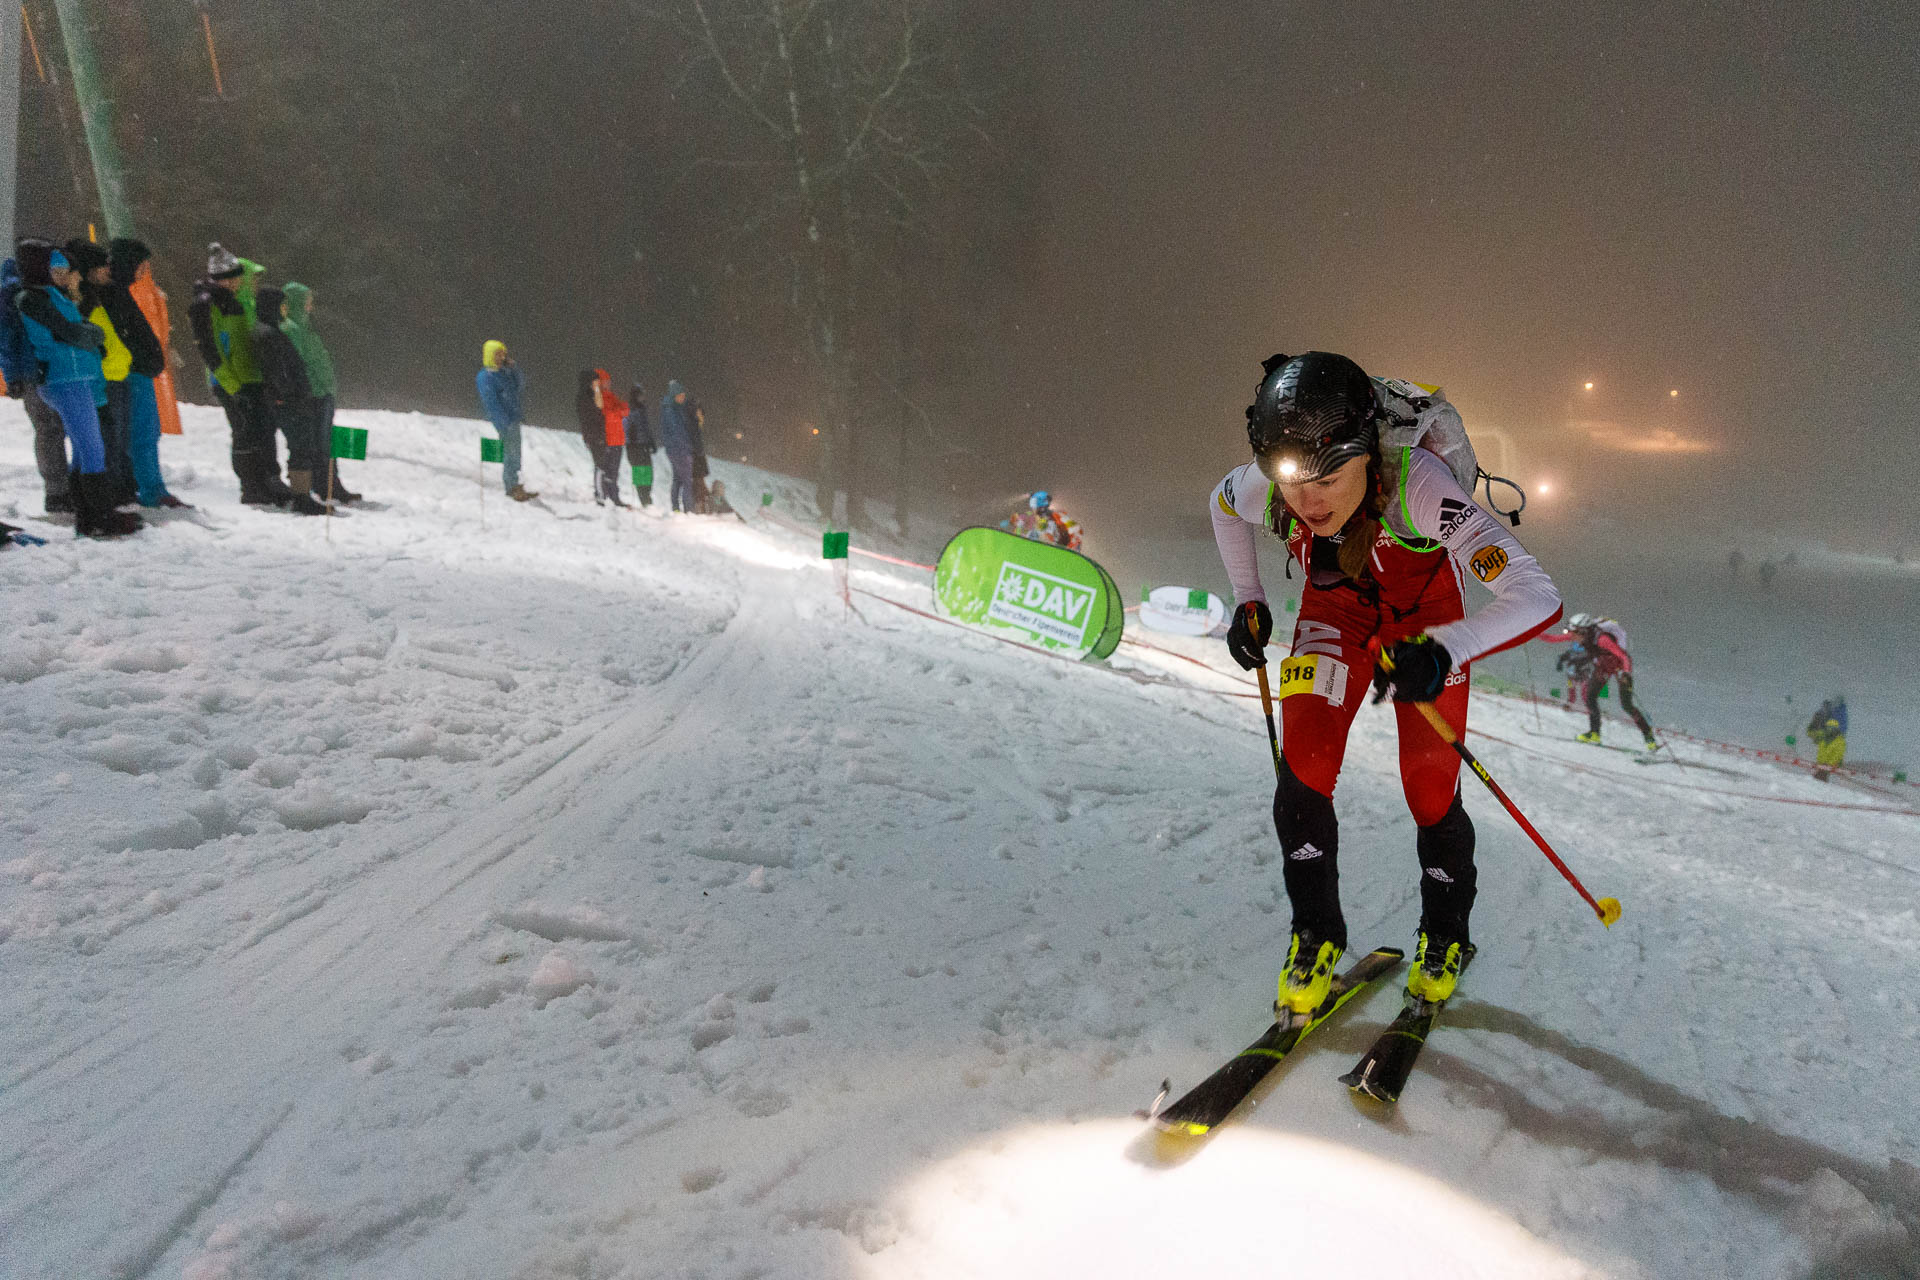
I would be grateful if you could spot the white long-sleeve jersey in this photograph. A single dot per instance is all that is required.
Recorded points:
(1430, 504)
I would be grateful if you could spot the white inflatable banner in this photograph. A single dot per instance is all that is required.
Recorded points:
(1184, 611)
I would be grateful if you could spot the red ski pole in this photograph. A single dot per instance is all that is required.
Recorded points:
(1608, 909)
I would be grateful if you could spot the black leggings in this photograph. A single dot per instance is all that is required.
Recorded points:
(1622, 680)
(1310, 846)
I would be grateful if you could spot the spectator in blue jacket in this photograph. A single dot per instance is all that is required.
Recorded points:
(680, 437)
(72, 383)
(499, 384)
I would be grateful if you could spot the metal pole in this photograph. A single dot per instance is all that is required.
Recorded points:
(96, 117)
(10, 52)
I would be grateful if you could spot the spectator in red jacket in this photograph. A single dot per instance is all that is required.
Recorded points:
(602, 417)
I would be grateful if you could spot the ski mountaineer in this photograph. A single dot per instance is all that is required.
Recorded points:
(1606, 640)
(1041, 523)
(1386, 536)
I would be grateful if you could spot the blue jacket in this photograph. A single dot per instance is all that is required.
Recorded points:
(678, 431)
(45, 310)
(500, 394)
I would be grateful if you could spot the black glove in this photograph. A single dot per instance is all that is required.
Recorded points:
(1413, 670)
(1247, 648)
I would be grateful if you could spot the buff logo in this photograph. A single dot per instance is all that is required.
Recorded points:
(1049, 606)
(1488, 563)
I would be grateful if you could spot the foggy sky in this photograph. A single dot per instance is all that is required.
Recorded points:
(1505, 199)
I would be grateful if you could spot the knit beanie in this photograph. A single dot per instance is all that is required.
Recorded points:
(221, 264)
(84, 255)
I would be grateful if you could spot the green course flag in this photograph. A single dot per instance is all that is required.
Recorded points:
(766, 499)
(350, 442)
(492, 450)
(833, 546)
(1791, 739)
(1900, 776)
(643, 476)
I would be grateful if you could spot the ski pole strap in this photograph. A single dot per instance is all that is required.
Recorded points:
(1608, 909)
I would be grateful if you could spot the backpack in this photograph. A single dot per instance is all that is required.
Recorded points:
(1421, 417)
(17, 360)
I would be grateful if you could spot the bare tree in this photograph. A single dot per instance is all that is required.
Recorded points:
(847, 120)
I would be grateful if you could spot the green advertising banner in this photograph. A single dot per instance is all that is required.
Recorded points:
(1048, 595)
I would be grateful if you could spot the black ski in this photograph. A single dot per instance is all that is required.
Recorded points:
(1213, 1099)
(1383, 1072)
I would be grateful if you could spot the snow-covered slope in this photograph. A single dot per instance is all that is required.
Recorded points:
(589, 895)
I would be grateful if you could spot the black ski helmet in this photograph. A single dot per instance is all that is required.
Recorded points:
(1310, 414)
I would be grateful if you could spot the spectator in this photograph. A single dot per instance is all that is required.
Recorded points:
(679, 436)
(290, 400)
(23, 373)
(601, 415)
(68, 349)
(130, 396)
(500, 385)
(298, 327)
(89, 261)
(717, 503)
(222, 315)
(640, 445)
(700, 503)
(1767, 570)
(1735, 559)
(1828, 729)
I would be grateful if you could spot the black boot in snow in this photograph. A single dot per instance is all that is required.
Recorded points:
(93, 513)
(336, 490)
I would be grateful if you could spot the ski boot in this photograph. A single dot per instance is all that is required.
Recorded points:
(1653, 744)
(1308, 978)
(1437, 962)
(1592, 736)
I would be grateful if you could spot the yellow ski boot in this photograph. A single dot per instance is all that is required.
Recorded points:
(1591, 736)
(1308, 978)
(1437, 962)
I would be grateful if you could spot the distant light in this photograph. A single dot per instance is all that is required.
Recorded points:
(816, 431)
(1674, 392)
(1589, 386)
(1545, 487)
(737, 436)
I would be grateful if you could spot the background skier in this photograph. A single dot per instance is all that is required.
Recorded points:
(1386, 537)
(1606, 640)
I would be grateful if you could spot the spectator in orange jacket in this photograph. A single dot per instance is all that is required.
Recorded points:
(602, 417)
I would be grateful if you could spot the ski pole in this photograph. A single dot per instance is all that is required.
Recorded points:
(1266, 701)
(1608, 909)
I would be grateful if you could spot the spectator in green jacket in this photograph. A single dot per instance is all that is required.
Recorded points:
(222, 318)
(298, 326)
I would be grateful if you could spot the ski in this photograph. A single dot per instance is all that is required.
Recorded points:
(1383, 1072)
(1210, 1102)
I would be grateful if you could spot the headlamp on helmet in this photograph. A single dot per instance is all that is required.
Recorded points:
(1311, 414)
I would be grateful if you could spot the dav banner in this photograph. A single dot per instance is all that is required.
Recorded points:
(1047, 595)
(1184, 611)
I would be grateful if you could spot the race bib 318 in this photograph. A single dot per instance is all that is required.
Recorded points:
(1315, 673)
